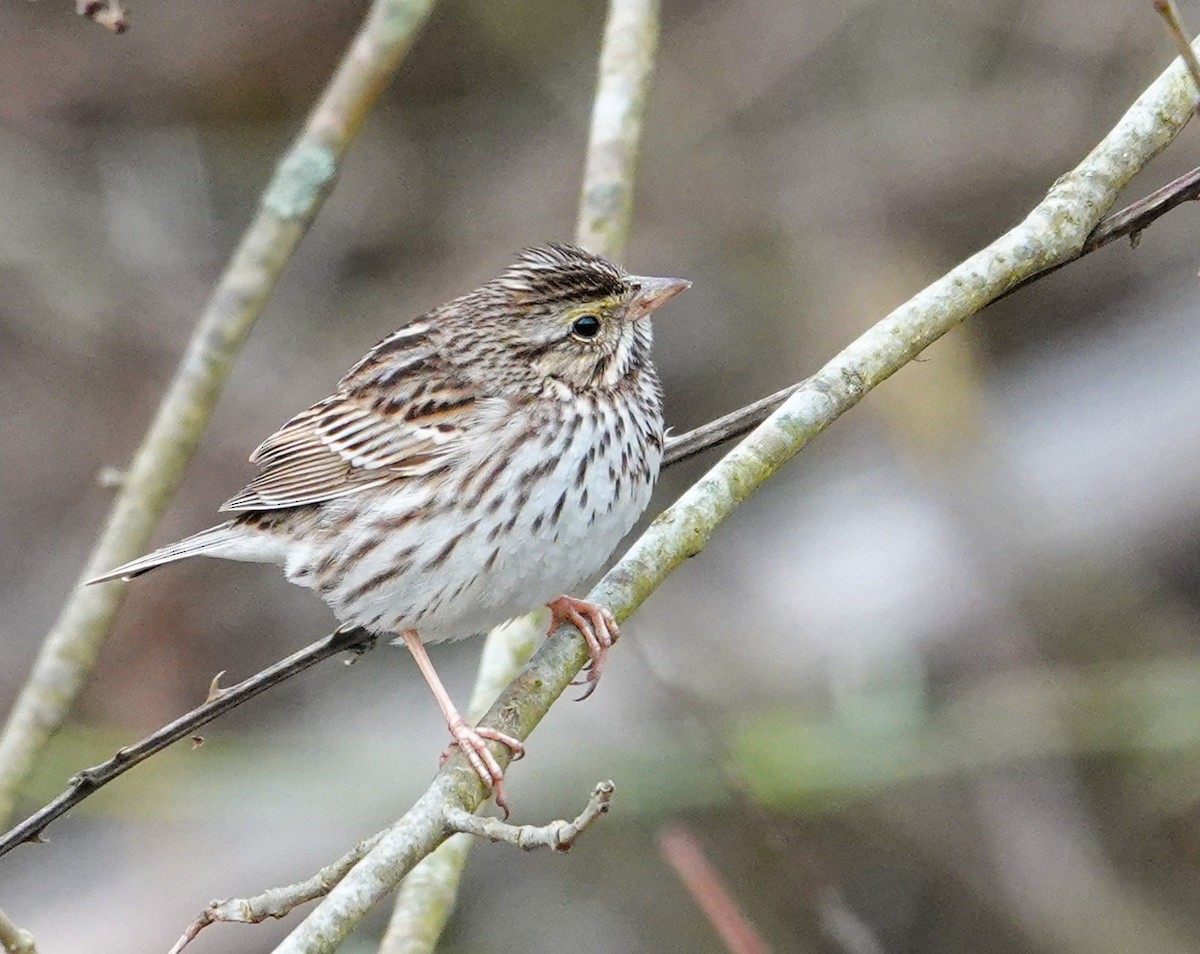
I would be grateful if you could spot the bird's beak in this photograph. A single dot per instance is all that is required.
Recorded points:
(653, 292)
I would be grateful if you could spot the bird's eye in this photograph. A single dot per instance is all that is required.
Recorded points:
(586, 326)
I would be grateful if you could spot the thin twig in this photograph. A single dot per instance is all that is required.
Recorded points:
(90, 780)
(838, 921)
(557, 835)
(728, 426)
(684, 854)
(1131, 220)
(275, 902)
(14, 940)
(296, 192)
(1053, 231)
(1179, 33)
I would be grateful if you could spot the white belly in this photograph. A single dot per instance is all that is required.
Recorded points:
(458, 556)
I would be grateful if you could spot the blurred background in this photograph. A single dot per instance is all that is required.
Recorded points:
(935, 689)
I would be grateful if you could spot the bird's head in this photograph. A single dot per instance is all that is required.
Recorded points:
(560, 312)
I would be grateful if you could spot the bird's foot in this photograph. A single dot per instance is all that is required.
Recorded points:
(599, 630)
(472, 741)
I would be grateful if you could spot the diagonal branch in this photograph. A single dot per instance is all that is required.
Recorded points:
(219, 702)
(1128, 221)
(291, 201)
(1054, 231)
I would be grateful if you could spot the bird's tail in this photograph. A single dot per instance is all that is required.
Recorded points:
(229, 541)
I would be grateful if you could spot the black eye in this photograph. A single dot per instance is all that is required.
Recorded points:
(586, 326)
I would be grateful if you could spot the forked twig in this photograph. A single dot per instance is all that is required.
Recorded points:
(557, 835)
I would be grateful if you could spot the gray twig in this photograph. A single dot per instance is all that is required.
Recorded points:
(276, 902)
(557, 835)
(91, 779)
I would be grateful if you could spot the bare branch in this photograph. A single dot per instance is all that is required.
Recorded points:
(222, 700)
(557, 835)
(276, 902)
(683, 853)
(1131, 221)
(1168, 11)
(288, 206)
(626, 64)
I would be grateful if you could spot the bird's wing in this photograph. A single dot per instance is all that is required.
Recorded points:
(394, 416)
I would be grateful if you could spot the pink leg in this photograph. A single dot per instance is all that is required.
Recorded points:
(471, 739)
(599, 630)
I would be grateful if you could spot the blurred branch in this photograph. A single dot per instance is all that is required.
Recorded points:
(683, 853)
(14, 940)
(275, 902)
(1054, 231)
(798, 873)
(626, 64)
(295, 193)
(219, 701)
(426, 899)
(1168, 11)
(108, 13)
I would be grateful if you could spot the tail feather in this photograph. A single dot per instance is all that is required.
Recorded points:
(226, 540)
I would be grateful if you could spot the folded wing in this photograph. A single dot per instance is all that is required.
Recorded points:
(364, 435)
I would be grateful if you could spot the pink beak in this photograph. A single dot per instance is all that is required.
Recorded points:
(653, 292)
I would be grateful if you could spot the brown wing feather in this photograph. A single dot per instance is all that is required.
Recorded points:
(398, 414)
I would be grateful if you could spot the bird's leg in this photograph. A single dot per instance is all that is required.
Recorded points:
(599, 630)
(471, 739)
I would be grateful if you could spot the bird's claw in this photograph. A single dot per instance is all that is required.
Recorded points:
(599, 630)
(472, 742)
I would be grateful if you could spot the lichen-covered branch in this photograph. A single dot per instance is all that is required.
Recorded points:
(296, 191)
(1053, 231)
(626, 63)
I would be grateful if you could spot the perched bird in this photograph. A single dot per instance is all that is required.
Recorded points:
(476, 464)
